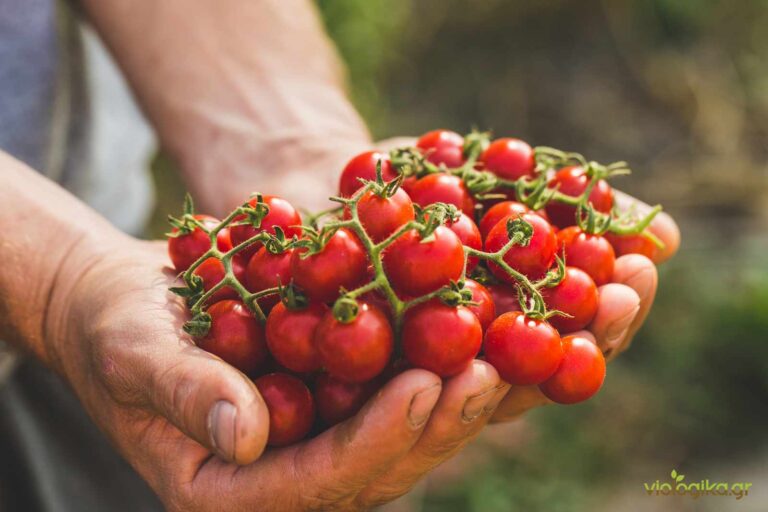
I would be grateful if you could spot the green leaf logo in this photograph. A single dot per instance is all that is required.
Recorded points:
(676, 476)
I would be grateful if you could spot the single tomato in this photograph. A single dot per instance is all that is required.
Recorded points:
(523, 350)
(440, 338)
(416, 267)
(356, 351)
(291, 408)
(236, 336)
(580, 374)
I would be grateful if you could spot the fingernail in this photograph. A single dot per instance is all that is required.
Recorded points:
(501, 392)
(618, 329)
(222, 422)
(422, 404)
(476, 404)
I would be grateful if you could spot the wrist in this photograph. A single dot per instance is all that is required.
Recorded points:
(302, 168)
(71, 303)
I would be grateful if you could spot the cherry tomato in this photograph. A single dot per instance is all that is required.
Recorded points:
(281, 214)
(416, 268)
(338, 400)
(381, 217)
(485, 310)
(576, 295)
(580, 375)
(364, 166)
(267, 270)
(532, 260)
(184, 250)
(290, 336)
(633, 244)
(342, 263)
(443, 188)
(510, 159)
(469, 235)
(291, 408)
(356, 351)
(504, 298)
(497, 212)
(442, 147)
(440, 338)
(591, 253)
(212, 271)
(235, 336)
(523, 350)
(573, 181)
(408, 184)
(223, 240)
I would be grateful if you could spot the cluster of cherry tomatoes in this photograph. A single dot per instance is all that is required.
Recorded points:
(455, 249)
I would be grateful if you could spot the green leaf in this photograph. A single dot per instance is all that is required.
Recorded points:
(674, 474)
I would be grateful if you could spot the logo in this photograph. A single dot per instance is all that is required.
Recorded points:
(677, 487)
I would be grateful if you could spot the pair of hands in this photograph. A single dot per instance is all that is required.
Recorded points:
(195, 428)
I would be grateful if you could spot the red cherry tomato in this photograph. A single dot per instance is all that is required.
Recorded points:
(510, 159)
(580, 375)
(356, 351)
(290, 336)
(223, 240)
(212, 271)
(485, 310)
(504, 298)
(633, 244)
(184, 250)
(443, 188)
(381, 217)
(235, 336)
(440, 338)
(291, 408)
(591, 253)
(532, 260)
(524, 351)
(442, 147)
(267, 270)
(497, 212)
(416, 268)
(576, 295)
(281, 214)
(343, 263)
(469, 235)
(364, 166)
(338, 400)
(573, 181)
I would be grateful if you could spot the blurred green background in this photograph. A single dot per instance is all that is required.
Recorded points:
(680, 90)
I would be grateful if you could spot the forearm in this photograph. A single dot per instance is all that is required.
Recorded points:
(41, 226)
(240, 92)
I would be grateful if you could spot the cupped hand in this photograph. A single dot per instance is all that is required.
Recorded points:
(195, 428)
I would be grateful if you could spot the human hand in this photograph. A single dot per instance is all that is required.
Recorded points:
(195, 428)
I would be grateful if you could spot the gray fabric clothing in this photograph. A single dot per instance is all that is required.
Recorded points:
(52, 457)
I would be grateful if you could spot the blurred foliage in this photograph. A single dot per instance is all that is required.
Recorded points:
(678, 89)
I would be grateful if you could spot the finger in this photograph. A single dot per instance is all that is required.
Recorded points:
(465, 405)
(617, 307)
(663, 226)
(201, 395)
(639, 273)
(331, 469)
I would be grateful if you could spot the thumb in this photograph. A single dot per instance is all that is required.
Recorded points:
(205, 398)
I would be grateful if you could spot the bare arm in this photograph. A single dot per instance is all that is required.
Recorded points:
(41, 226)
(243, 94)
